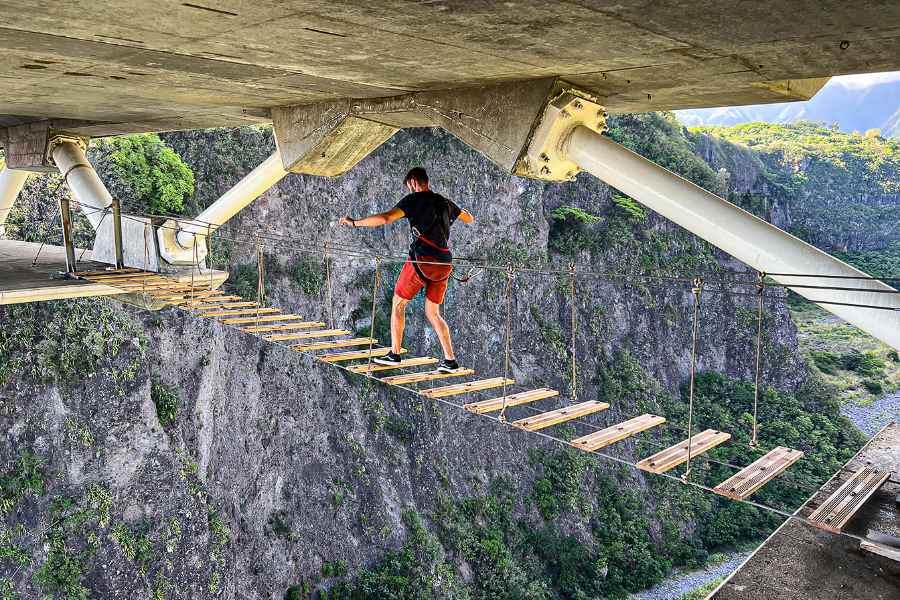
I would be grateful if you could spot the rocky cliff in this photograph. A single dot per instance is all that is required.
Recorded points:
(167, 456)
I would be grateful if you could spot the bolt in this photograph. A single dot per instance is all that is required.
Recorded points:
(544, 158)
(168, 249)
(577, 105)
(602, 114)
(570, 176)
(601, 127)
(565, 114)
(545, 171)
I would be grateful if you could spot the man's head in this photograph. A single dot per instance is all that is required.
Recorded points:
(416, 180)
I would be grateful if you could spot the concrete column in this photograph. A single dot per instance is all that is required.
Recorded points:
(737, 232)
(82, 180)
(11, 182)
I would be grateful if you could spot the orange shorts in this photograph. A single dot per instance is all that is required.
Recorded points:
(409, 283)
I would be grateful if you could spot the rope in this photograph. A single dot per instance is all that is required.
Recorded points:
(328, 280)
(261, 284)
(209, 254)
(510, 275)
(196, 262)
(574, 380)
(698, 289)
(372, 325)
(762, 291)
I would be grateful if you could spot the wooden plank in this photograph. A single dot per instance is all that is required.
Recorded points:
(131, 280)
(109, 272)
(743, 483)
(261, 328)
(220, 304)
(355, 354)
(611, 435)
(280, 337)
(333, 344)
(461, 388)
(205, 300)
(238, 313)
(262, 319)
(150, 283)
(511, 400)
(677, 454)
(197, 293)
(424, 376)
(836, 512)
(559, 416)
(410, 362)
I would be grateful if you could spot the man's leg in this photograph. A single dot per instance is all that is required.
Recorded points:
(398, 322)
(440, 328)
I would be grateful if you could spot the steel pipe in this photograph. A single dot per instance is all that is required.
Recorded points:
(11, 182)
(737, 232)
(81, 178)
(243, 193)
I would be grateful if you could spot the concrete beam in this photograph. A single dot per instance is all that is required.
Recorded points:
(496, 120)
(26, 146)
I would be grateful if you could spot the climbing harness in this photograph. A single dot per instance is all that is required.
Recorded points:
(574, 380)
(372, 325)
(697, 290)
(761, 291)
(510, 275)
(328, 282)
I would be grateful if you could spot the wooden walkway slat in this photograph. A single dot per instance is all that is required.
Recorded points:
(208, 306)
(836, 512)
(238, 313)
(190, 303)
(333, 344)
(511, 400)
(615, 433)
(197, 293)
(424, 376)
(355, 354)
(262, 319)
(561, 415)
(306, 335)
(462, 388)
(409, 362)
(677, 454)
(109, 272)
(743, 483)
(261, 328)
(136, 280)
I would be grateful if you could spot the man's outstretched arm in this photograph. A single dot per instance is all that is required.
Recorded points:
(374, 220)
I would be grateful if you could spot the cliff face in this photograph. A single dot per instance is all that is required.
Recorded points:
(219, 466)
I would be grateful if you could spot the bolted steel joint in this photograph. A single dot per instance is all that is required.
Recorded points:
(567, 111)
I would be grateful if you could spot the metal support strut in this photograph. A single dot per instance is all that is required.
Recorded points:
(568, 140)
(65, 214)
(92, 195)
(11, 182)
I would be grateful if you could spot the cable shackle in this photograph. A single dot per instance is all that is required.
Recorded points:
(574, 380)
(761, 290)
(697, 290)
(510, 275)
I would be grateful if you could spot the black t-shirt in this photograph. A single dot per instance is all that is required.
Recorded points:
(417, 208)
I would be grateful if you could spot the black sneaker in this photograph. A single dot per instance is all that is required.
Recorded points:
(390, 359)
(449, 366)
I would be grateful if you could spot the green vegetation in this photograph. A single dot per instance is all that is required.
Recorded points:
(25, 473)
(154, 174)
(244, 281)
(166, 399)
(400, 429)
(306, 271)
(66, 340)
(70, 542)
(135, 544)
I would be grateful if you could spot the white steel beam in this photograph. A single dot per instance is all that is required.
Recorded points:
(81, 178)
(177, 239)
(11, 182)
(739, 233)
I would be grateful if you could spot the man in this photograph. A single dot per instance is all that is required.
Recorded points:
(430, 216)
